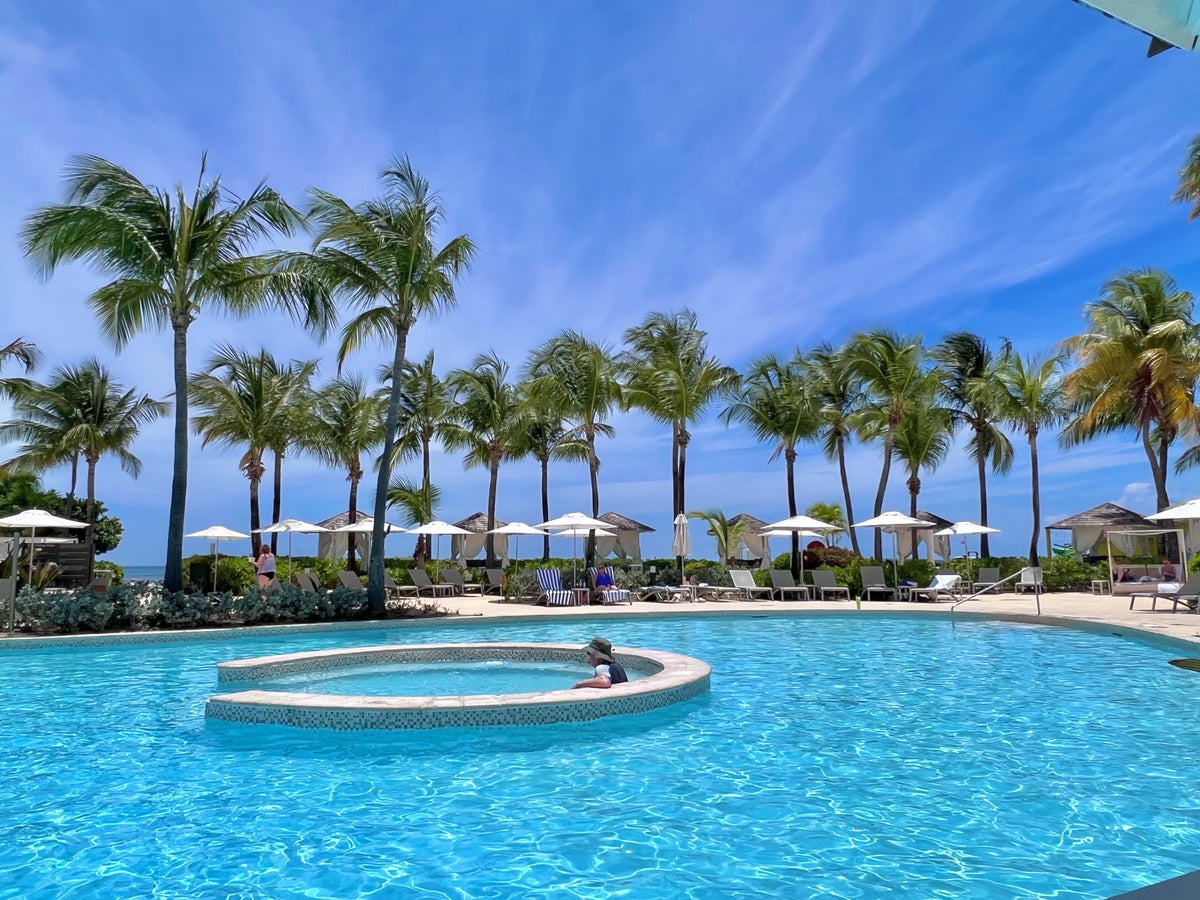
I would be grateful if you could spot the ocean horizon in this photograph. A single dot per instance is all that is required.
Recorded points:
(145, 573)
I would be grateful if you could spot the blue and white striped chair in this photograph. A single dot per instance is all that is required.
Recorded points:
(608, 595)
(550, 581)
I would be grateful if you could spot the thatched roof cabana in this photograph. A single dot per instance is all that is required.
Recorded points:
(909, 540)
(335, 546)
(628, 542)
(1090, 530)
(753, 543)
(468, 546)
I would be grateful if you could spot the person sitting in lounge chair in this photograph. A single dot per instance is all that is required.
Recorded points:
(1169, 572)
(1126, 577)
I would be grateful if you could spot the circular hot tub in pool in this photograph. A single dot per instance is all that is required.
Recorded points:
(657, 679)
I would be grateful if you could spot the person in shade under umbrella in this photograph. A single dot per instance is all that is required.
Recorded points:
(607, 670)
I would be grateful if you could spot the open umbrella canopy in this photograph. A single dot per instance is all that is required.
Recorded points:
(967, 528)
(583, 532)
(218, 533)
(38, 518)
(367, 526)
(803, 523)
(517, 528)
(290, 526)
(574, 520)
(1188, 510)
(438, 527)
(893, 520)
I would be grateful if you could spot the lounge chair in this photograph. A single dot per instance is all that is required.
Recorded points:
(395, 590)
(946, 584)
(350, 581)
(743, 583)
(1188, 595)
(666, 593)
(987, 578)
(422, 582)
(874, 582)
(609, 595)
(495, 583)
(454, 576)
(1030, 580)
(782, 583)
(306, 582)
(552, 591)
(826, 585)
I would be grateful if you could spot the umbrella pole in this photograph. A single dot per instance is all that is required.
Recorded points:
(12, 600)
(32, 535)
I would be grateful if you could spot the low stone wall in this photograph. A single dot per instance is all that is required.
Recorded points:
(670, 678)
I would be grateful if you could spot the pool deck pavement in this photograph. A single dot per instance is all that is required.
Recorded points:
(1084, 607)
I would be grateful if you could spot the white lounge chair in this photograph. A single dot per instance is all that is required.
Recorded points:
(1187, 595)
(946, 584)
(986, 578)
(743, 583)
(1030, 580)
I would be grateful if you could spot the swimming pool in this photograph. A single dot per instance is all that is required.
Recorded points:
(841, 756)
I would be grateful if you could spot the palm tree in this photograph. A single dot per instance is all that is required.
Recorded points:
(584, 379)
(488, 424)
(671, 377)
(22, 351)
(416, 502)
(963, 360)
(544, 436)
(81, 412)
(1138, 367)
(1189, 180)
(774, 403)
(241, 398)
(347, 422)
(837, 392)
(923, 440)
(894, 377)
(1031, 395)
(381, 256)
(424, 416)
(170, 257)
(726, 533)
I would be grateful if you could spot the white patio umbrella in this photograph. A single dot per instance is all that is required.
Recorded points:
(366, 525)
(437, 528)
(788, 532)
(575, 533)
(577, 520)
(290, 527)
(515, 530)
(964, 529)
(681, 542)
(893, 522)
(33, 519)
(213, 534)
(803, 525)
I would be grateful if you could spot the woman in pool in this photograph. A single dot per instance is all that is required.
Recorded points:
(607, 670)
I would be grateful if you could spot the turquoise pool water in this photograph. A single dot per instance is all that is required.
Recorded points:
(839, 757)
(432, 678)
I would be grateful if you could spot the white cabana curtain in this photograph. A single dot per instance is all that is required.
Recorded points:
(909, 541)
(757, 547)
(469, 546)
(334, 545)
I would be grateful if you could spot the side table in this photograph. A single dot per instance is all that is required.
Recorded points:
(1101, 586)
(583, 596)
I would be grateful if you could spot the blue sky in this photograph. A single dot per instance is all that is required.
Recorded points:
(792, 171)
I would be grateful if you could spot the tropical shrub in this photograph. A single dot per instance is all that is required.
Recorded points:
(117, 569)
(1066, 573)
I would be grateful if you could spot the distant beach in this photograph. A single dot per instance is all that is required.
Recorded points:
(144, 573)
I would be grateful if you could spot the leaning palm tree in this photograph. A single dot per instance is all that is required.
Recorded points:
(1031, 394)
(837, 391)
(727, 534)
(672, 378)
(347, 421)
(895, 379)
(584, 378)
(381, 256)
(82, 412)
(241, 398)
(171, 256)
(963, 360)
(544, 436)
(923, 441)
(1139, 365)
(775, 404)
(487, 424)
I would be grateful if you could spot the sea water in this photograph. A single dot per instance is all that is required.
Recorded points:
(853, 756)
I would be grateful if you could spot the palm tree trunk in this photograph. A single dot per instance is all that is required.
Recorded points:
(491, 511)
(883, 480)
(981, 463)
(684, 437)
(1037, 499)
(74, 480)
(546, 506)
(255, 515)
(421, 552)
(914, 490)
(91, 514)
(594, 469)
(277, 499)
(351, 538)
(841, 455)
(173, 570)
(789, 459)
(676, 503)
(376, 598)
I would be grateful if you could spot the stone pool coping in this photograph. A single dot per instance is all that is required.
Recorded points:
(670, 678)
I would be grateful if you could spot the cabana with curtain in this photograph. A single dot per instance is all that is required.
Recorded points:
(1141, 577)
(469, 546)
(1131, 534)
(335, 546)
(627, 544)
(753, 544)
(909, 540)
